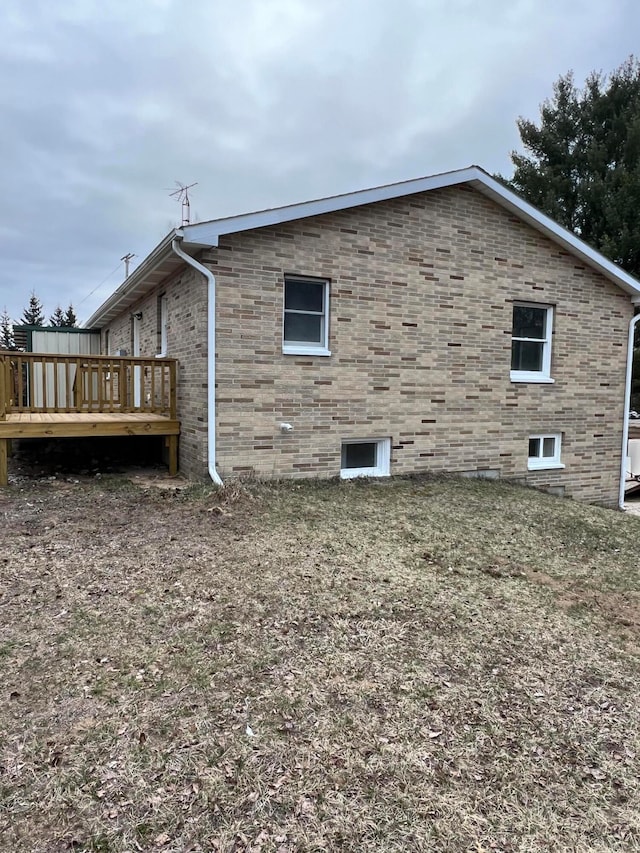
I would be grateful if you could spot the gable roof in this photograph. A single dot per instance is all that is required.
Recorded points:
(162, 262)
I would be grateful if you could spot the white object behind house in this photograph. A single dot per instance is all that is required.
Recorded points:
(634, 457)
(59, 343)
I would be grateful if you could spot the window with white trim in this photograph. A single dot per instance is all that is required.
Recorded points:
(305, 327)
(544, 451)
(531, 342)
(365, 458)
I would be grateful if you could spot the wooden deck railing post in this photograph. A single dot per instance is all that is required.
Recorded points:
(4, 391)
(173, 391)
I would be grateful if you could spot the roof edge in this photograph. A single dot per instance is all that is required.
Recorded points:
(204, 234)
(207, 234)
(130, 284)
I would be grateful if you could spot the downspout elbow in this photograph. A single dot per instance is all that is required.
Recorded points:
(211, 358)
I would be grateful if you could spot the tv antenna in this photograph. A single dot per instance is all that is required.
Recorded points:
(182, 194)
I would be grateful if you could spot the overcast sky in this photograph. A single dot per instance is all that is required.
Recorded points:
(106, 103)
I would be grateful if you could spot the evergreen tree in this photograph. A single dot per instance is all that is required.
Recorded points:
(70, 318)
(582, 165)
(33, 314)
(6, 331)
(58, 317)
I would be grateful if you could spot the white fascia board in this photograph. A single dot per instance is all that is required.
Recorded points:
(207, 233)
(134, 284)
(505, 197)
(204, 234)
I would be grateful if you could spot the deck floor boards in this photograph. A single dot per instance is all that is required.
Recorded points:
(77, 424)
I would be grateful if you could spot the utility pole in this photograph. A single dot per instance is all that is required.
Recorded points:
(127, 258)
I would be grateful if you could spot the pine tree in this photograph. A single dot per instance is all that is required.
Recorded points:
(33, 314)
(58, 317)
(582, 165)
(6, 331)
(70, 319)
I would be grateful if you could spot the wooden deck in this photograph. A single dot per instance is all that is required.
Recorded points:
(61, 424)
(54, 396)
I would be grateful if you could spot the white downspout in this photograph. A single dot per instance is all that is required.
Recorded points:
(211, 356)
(627, 402)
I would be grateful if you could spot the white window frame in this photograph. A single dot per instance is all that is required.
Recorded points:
(544, 463)
(543, 375)
(302, 347)
(164, 325)
(383, 459)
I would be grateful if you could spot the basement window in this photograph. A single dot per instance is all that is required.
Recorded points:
(544, 452)
(306, 316)
(365, 458)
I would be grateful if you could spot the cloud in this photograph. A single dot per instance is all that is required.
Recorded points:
(107, 104)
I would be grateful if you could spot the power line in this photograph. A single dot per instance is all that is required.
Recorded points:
(106, 278)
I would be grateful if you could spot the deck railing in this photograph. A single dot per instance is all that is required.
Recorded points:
(45, 382)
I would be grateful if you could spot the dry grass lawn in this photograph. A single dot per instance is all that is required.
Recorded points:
(422, 665)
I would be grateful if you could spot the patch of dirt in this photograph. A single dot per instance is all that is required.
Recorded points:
(155, 478)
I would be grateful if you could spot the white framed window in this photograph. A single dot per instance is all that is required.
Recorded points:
(531, 342)
(365, 457)
(305, 322)
(163, 324)
(544, 451)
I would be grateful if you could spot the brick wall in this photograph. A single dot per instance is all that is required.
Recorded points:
(187, 341)
(420, 335)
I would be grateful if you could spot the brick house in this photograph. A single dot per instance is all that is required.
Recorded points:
(441, 324)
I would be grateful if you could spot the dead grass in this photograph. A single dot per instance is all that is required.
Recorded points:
(425, 665)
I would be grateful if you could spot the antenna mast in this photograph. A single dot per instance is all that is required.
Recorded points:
(182, 194)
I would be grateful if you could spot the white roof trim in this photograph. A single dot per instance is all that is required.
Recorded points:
(205, 234)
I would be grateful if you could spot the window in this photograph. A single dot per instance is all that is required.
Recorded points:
(306, 312)
(163, 322)
(544, 452)
(365, 458)
(531, 343)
